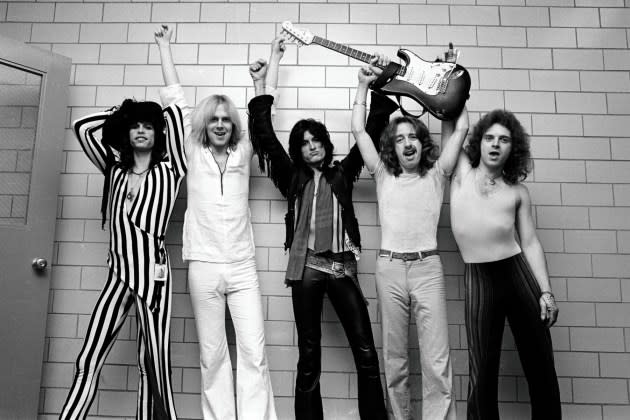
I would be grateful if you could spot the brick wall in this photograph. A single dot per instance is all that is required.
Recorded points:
(561, 65)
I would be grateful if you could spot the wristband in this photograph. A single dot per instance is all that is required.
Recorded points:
(359, 103)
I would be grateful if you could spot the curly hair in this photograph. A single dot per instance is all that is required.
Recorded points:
(429, 153)
(296, 139)
(116, 130)
(116, 135)
(204, 112)
(519, 163)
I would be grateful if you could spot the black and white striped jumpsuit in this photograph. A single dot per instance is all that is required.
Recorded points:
(137, 230)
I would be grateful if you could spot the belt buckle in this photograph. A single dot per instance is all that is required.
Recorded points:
(336, 266)
(405, 257)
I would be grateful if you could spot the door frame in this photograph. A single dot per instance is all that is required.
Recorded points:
(35, 238)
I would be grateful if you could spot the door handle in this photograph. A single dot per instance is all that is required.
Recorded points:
(39, 264)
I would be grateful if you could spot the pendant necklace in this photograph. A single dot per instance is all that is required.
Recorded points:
(488, 180)
(488, 185)
(491, 181)
(130, 193)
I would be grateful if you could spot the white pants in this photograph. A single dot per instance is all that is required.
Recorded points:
(415, 288)
(211, 285)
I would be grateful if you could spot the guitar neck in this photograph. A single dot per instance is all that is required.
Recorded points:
(350, 52)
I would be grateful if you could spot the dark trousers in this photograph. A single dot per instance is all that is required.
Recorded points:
(346, 298)
(494, 291)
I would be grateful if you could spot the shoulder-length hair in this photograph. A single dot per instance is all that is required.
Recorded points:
(428, 155)
(116, 130)
(204, 112)
(115, 133)
(319, 133)
(519, 163)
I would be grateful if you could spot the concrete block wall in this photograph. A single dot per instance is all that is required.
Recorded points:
(562, 65)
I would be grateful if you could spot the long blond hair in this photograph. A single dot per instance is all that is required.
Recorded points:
(204, 112)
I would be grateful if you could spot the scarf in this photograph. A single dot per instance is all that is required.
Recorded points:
(323, 226)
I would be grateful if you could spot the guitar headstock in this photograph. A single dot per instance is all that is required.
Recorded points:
(301, 36)
(451, 55)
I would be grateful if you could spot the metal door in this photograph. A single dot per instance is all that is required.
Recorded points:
(33, 98)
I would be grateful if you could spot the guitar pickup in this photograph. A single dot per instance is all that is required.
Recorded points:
(443, 85)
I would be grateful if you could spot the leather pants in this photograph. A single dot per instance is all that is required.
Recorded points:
(348, 302)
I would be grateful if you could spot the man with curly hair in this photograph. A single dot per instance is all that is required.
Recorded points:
(504, 277)
(141, 156)
(410, 180)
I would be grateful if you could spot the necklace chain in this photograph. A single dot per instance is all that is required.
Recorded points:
(139, 173)
(492, 180)
(130, 191)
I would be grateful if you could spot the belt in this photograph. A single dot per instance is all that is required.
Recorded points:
(407, 256)
(327, 264)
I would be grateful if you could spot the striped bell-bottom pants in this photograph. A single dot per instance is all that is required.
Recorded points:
(495, 291)
(155, 398)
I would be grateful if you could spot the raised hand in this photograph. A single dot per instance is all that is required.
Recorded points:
(163, 36)
(378, 62)
(366, 76)
(258, 70)
(278, 47)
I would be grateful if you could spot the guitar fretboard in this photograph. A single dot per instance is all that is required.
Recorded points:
(350, 52)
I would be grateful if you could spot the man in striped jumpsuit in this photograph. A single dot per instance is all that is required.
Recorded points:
(143, 161)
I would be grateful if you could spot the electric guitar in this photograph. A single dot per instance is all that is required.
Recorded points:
(441, 88)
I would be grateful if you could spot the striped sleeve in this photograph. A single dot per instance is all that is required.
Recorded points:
(84, 130)
(175, 139)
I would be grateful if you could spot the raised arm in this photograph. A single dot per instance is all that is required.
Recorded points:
(272, 157)
(362, 138)
(535, 256)
(172, 93)
(277, 52)
(175, 139)
(380, 110)
(163, 40)
(95, 150)
(453, 136)
(258, 71)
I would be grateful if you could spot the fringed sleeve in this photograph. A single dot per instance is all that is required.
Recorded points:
(380, 109)
(272, 158)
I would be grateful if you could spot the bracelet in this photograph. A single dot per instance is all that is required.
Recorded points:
(359, 103)
(548, 293)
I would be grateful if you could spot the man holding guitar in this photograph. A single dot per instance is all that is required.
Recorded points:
(322, 235)
(410, 181)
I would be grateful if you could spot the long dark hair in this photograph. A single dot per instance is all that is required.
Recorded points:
(429, 153)
(296, 138)
(519, 163)
(116, 135)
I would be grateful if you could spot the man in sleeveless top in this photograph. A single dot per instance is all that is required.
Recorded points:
(503, 277)
(410, 180)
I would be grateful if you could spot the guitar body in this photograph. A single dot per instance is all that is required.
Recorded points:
(441, 88)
